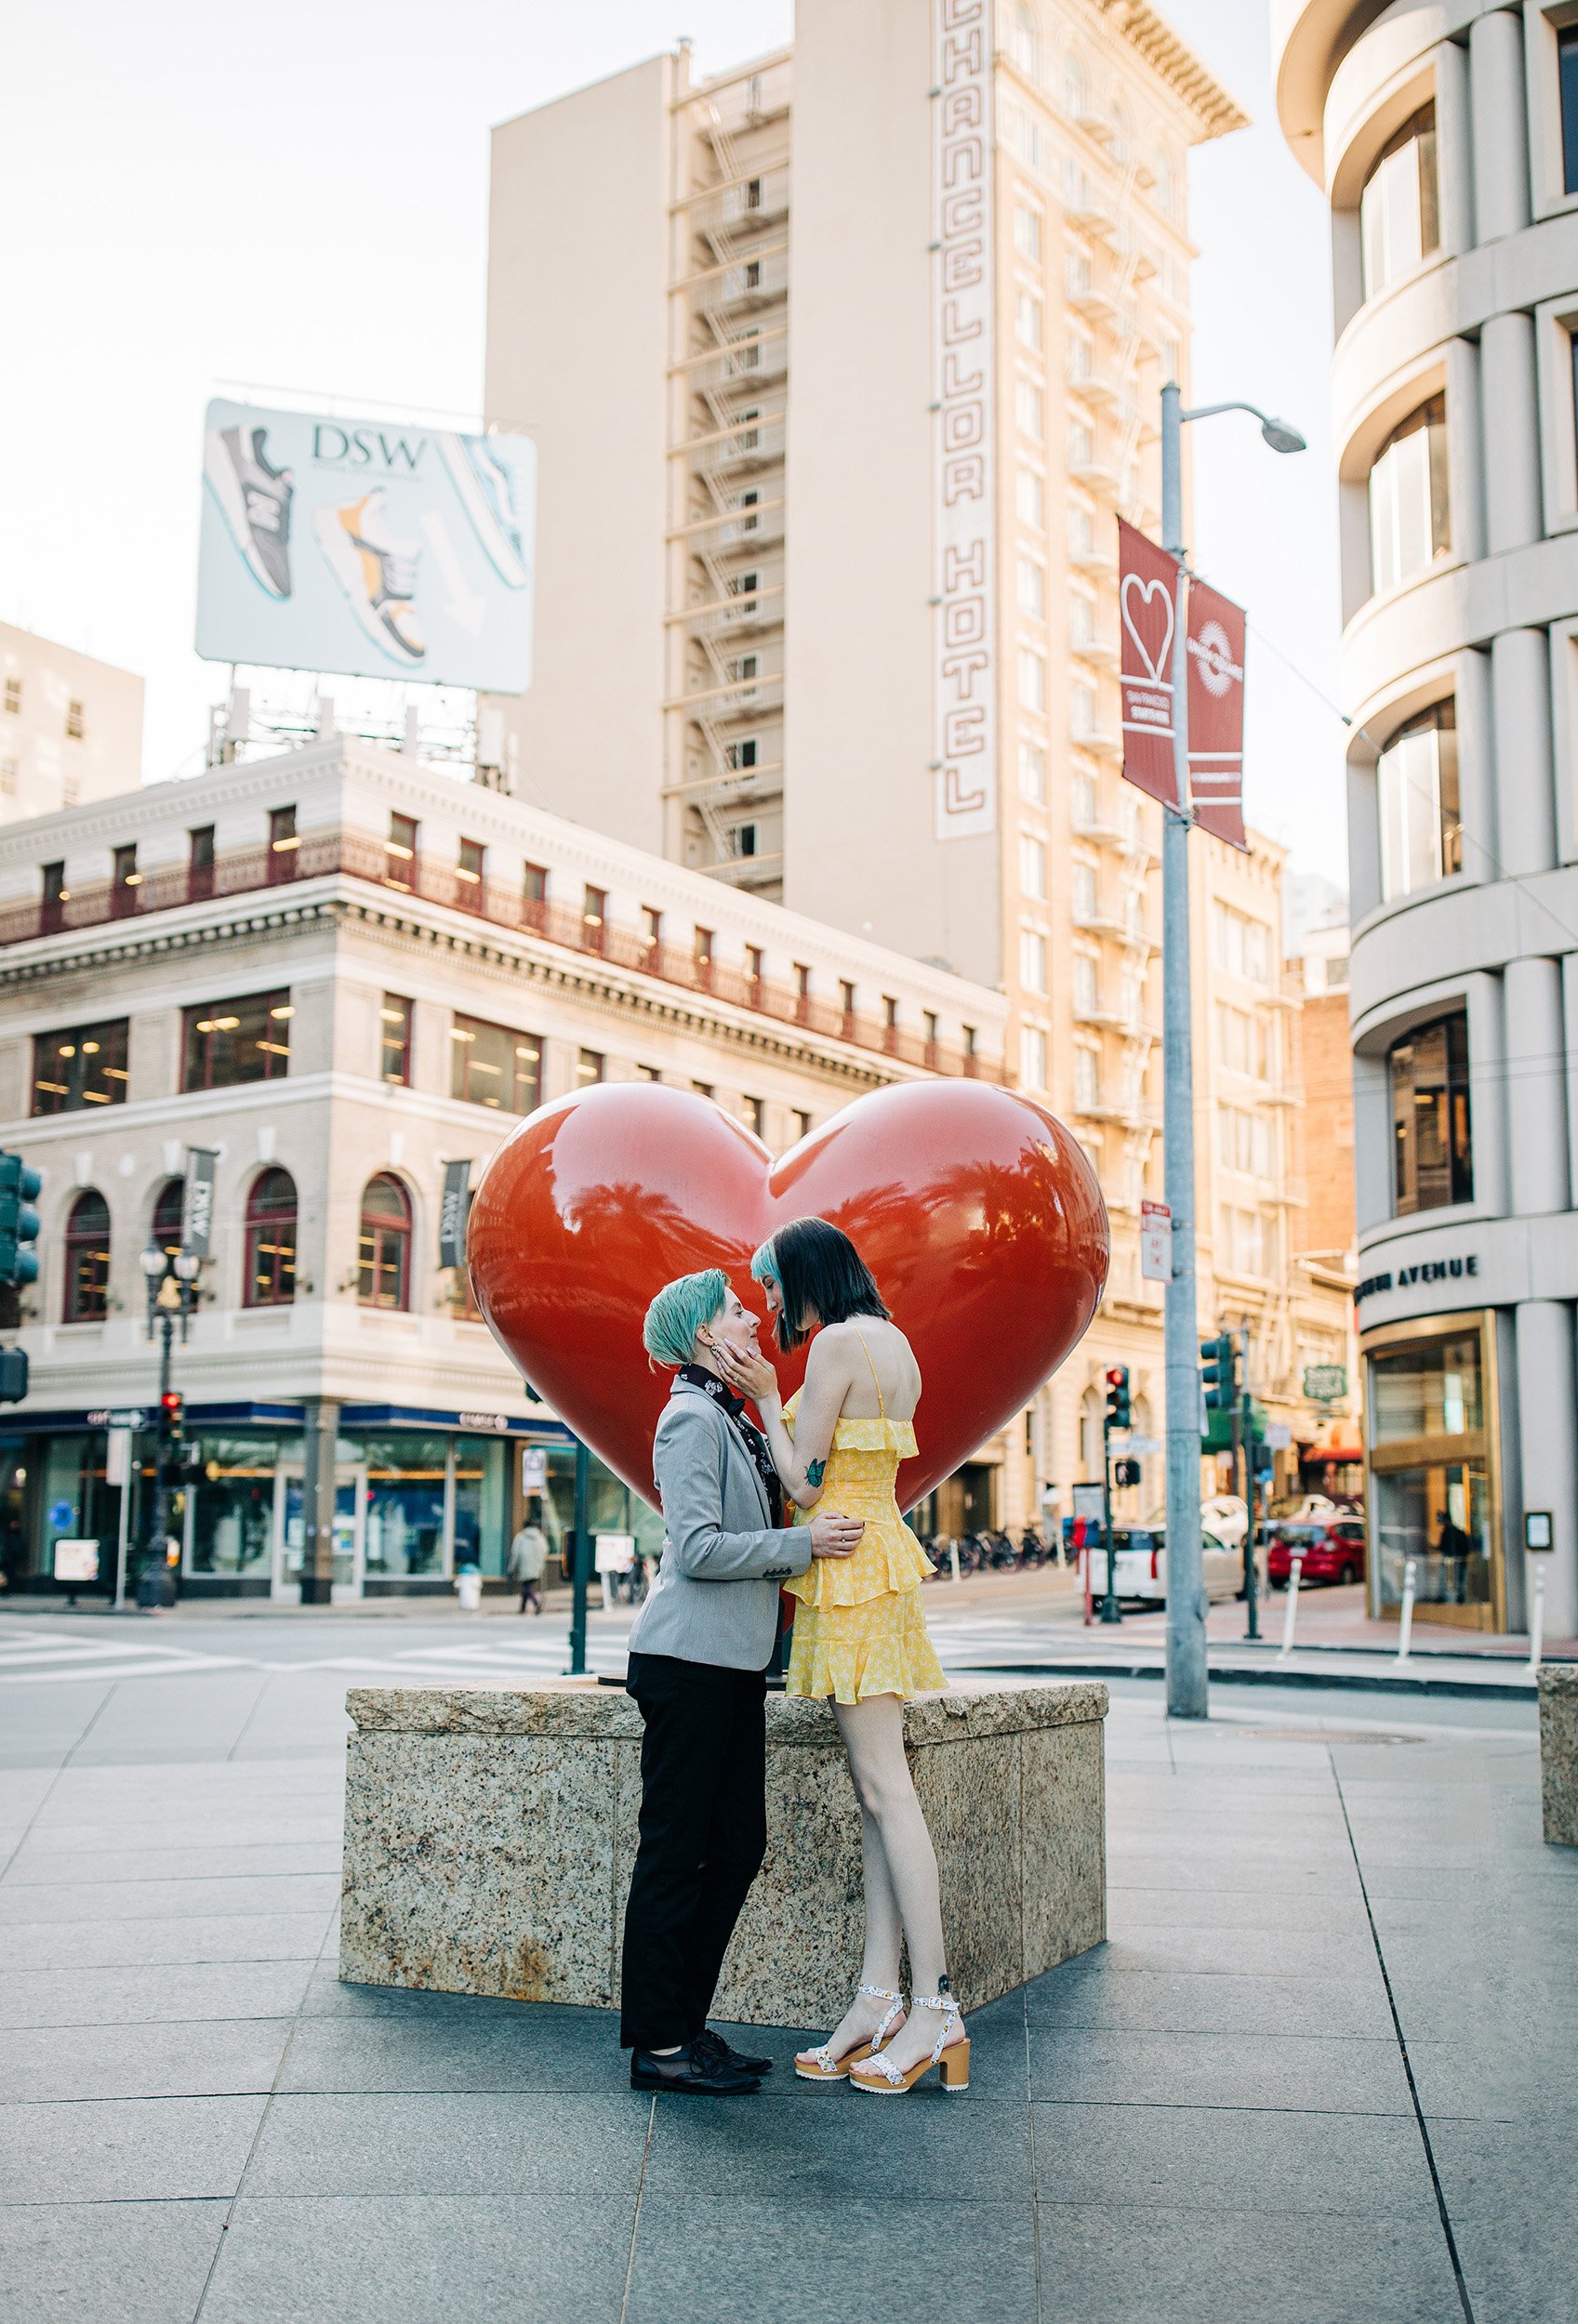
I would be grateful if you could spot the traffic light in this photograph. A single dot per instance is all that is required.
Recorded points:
(19, 1221)
(1118, 1413)
(171, 1410)
(1219, 1363)
(1126, 1472)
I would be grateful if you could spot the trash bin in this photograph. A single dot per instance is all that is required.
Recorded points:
(469, 1582)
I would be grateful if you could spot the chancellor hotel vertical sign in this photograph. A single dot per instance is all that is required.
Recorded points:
(963, 643)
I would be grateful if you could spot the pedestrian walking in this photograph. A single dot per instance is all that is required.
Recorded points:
(528, 1555)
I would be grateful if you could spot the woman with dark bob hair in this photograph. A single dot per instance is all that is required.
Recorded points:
(860, 1633)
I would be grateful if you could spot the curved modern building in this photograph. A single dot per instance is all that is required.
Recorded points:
(1445, 138)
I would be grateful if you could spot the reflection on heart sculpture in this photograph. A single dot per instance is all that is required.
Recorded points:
(975, 1210)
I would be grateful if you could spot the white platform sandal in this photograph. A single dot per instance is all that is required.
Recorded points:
(820, 2066)
(884, 2080)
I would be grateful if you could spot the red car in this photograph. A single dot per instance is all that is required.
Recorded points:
(1332, 1551)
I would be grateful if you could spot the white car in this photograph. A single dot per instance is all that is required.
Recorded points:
(1224, 1514)
(1140, 1567)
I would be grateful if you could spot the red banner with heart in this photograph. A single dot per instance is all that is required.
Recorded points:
(976, 1211)
(1147, 605)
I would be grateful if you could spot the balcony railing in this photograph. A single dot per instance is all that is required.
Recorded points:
(360, 856)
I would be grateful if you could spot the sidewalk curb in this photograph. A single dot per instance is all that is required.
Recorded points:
(1356, 1681)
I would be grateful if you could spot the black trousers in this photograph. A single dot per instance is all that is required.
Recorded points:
(703, 1835)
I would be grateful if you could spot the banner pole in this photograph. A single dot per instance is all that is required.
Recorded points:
(1187, 1694)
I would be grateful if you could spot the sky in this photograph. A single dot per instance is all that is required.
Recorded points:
(202, 198)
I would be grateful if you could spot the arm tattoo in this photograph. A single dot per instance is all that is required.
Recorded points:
(815, 1472)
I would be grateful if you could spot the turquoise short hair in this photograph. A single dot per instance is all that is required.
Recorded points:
(679, 1311)
(765, 1267)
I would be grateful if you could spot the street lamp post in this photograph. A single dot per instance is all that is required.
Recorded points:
(170, 1279)
(1187, 1684)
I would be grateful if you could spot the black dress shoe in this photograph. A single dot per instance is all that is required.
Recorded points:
(690, 2073)
(716, 2051)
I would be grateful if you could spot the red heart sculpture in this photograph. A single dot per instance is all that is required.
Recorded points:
(975, 1210)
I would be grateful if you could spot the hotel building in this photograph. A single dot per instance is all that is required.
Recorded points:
(842, 366)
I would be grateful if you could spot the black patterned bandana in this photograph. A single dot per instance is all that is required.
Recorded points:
(751, 1436)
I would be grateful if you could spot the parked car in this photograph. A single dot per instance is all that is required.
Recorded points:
(1140, 1567)
(1224, 1514)
(1332, 1551)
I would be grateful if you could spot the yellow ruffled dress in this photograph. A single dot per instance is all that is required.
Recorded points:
(859, 1627)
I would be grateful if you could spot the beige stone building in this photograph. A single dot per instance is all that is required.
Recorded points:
(842, 366)
(340, 971)
(70, 727)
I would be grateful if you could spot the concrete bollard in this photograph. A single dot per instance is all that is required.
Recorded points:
(1290, 1613)
(1405, 1621)
(1537, 1619)
(953, 1560)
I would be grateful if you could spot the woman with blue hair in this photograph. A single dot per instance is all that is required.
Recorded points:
(860, 1632)
(700, 1651)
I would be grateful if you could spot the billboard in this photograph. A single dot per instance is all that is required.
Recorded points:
(370, 548)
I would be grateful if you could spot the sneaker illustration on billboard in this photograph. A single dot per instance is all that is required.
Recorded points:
(377, 572)
(255, 500)
(487, 487)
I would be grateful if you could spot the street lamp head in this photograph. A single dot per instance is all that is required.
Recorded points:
(1280, 437)
(152, 1261)
(187, 1265)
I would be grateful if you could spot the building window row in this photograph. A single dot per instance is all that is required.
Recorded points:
(269, 1244)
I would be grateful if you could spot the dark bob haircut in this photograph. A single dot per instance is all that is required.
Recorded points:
(816, 1266)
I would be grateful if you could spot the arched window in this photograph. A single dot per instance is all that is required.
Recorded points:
(1074, 102)
(1027, 44)
(167, 1215)
(271, 1241)
(87, 1259)
(384, 1249)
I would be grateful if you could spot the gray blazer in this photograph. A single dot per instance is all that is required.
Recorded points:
(716, 1533)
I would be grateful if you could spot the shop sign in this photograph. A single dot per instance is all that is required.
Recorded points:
(1427, 1271)
(498, 1422)
(1279, 1436)
(133, 1419)
(533, 1469)
(1325, 1384)
(76, 1561)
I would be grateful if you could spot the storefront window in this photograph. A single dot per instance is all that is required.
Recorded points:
(1432, 1143)
(1431, 1478)
(1430, 1388)
(611, 1506)
(406, 1478)
(231, 1525)
(482, 1530)
(76, 1503)
(1440, 1516)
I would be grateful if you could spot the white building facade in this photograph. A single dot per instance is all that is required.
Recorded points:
(341, 973)
(1446, 139)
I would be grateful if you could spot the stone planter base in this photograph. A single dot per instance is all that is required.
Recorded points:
(1558, 1752)
(489, 1835)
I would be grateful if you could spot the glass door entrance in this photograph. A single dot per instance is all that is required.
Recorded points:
(290, 1533)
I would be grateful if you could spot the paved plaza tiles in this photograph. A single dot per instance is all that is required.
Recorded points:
(1323, 2072)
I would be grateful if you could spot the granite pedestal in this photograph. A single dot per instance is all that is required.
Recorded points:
(1558, 1752)
(489, 1835)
